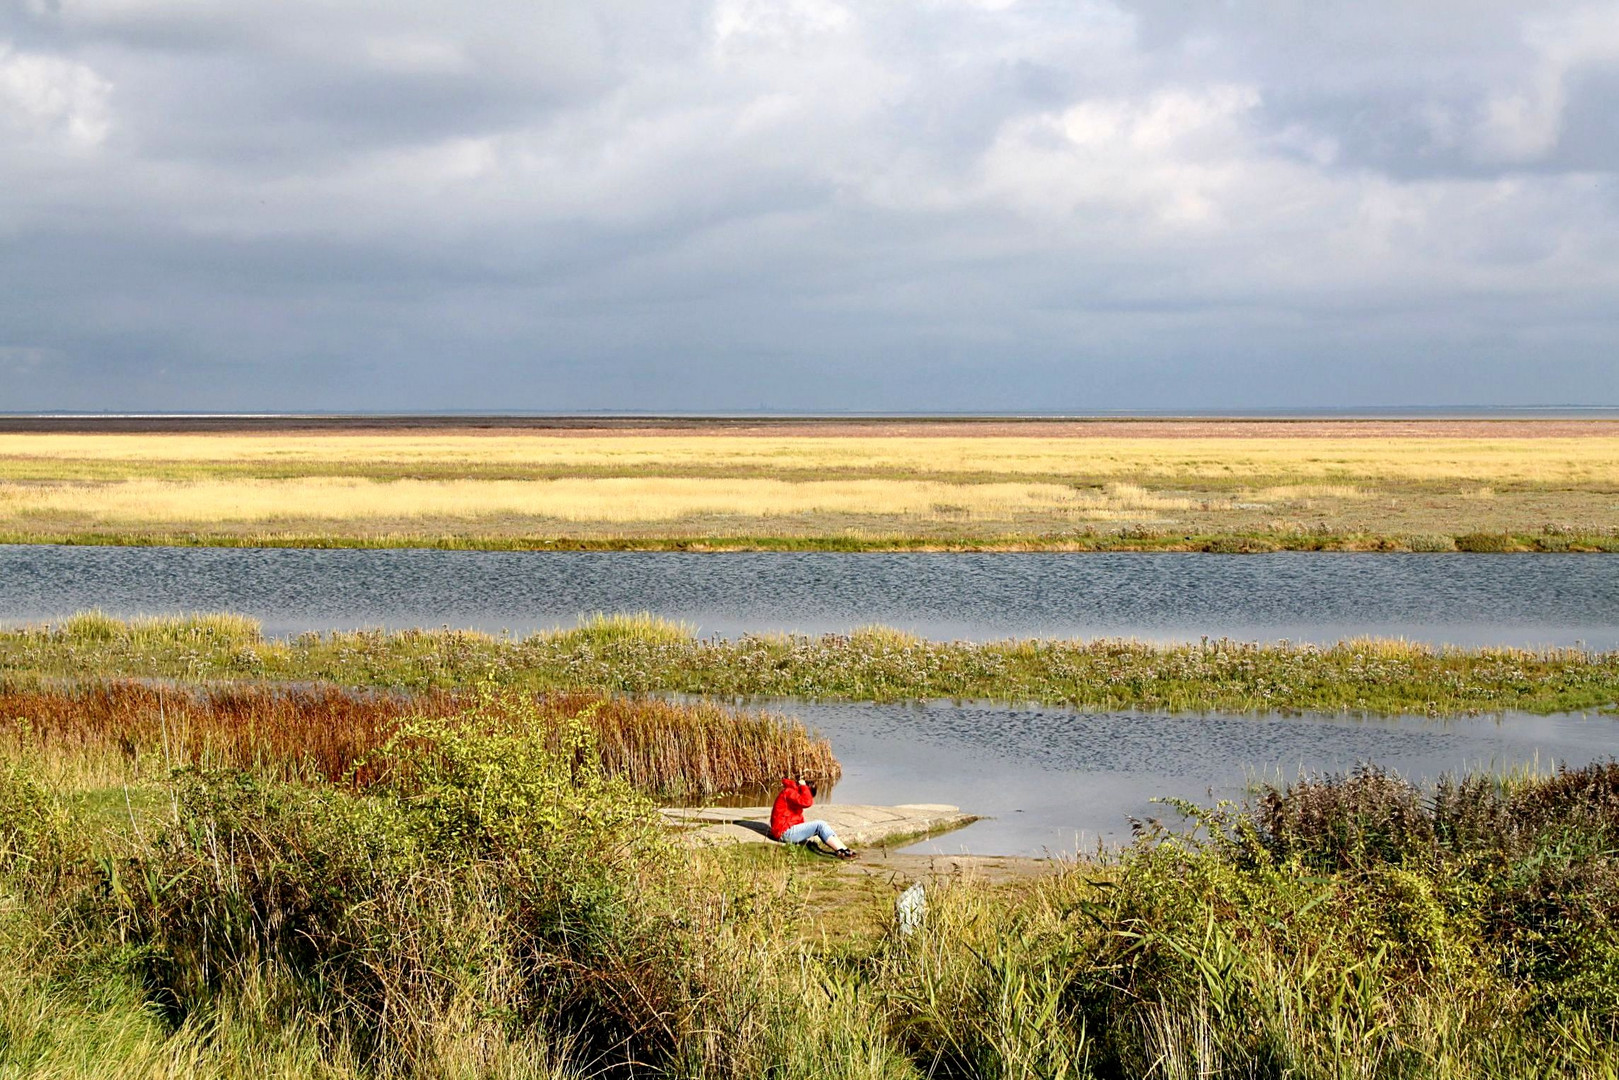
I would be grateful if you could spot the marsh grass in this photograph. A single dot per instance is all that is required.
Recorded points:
(864, 534)
(665, 749)
(219, 628)
(602, 629)
(641, 655)
(1496, 461)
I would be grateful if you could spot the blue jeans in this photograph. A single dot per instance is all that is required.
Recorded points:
(806, 831)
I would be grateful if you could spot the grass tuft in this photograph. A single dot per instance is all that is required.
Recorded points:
(603, 629)
(97, 627)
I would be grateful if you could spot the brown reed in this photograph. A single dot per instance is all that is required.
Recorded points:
(668, 749)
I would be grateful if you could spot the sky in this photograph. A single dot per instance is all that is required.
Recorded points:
(807, 205)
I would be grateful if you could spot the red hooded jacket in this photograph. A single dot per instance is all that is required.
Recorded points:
(794, 799)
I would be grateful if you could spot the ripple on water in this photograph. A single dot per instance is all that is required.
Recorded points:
(1460, 599)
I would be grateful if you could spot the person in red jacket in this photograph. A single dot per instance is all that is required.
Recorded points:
(787, 822)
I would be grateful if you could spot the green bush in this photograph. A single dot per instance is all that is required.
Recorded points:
(40, 843)
(499, 883)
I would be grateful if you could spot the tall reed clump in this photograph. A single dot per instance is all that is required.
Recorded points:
(216, 628)
(666, 749)
(698, 748)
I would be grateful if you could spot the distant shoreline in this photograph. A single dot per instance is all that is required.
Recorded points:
(1303, 423)
(1216, 543)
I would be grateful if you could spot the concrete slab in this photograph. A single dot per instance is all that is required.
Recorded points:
(857, 826)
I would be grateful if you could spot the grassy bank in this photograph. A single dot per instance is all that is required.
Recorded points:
(639, 655)
(1559, 539)
(497, 905)
(1169, 485)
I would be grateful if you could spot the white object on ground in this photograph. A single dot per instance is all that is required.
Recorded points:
(910, 909)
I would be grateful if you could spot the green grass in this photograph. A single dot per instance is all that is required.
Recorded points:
(639, 654)
(160, 631)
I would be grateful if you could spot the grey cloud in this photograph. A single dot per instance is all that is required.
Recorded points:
(807, 204)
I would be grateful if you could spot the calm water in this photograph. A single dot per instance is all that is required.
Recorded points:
(1463, 599)
(1053, 780)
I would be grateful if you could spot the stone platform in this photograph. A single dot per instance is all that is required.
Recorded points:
(857, 826)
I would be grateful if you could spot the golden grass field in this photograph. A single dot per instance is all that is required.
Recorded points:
(1110, 484)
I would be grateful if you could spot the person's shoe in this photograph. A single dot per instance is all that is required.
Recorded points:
(845, 853)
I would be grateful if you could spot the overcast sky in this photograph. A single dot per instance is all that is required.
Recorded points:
(807, 204)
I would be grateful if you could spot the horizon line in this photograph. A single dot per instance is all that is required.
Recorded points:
(1381, 412)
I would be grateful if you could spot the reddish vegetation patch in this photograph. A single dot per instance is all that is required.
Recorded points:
(332, 735)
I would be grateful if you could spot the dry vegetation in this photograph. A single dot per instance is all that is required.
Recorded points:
(1411, 486)
(664, 749)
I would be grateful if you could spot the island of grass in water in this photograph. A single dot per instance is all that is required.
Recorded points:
(644, 654)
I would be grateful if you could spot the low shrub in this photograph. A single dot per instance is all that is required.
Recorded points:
(1239, 545)
(1483, 542)
(493, 879)
(1338, 823)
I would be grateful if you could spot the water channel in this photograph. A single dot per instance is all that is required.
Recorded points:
(1047, 780)
(1529, 600)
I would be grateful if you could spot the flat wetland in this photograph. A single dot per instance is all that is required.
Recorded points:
(437, 854)
(1221, 485)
